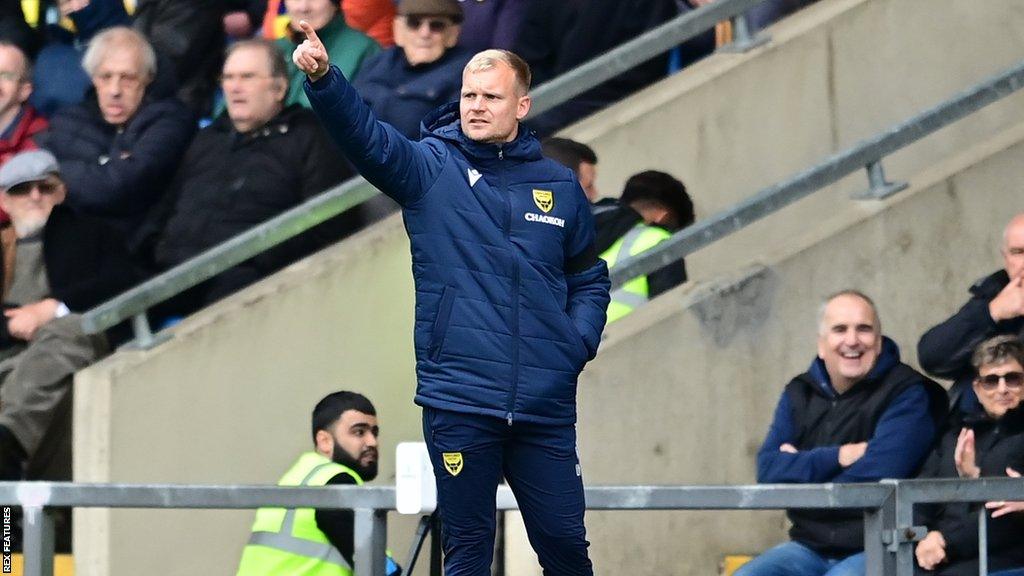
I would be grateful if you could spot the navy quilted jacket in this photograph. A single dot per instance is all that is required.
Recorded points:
(510, 294)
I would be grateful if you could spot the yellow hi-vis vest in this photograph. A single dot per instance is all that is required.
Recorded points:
(287, 542)
(635, 292)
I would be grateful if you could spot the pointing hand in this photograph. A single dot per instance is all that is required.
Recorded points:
(311, 56)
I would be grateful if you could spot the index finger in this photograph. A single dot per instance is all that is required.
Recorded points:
(309, 32)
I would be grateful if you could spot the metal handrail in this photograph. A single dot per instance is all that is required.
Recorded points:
(136, 301)
(888, 505)
(866, 154)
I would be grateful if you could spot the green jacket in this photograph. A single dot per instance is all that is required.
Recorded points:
(287, 542)
(346, 48)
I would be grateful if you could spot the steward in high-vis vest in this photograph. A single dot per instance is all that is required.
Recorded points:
(637, 291)
(652, 206)
(312, 542)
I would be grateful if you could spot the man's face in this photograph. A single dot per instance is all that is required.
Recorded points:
(849, 341)
(1002, 395)
(588, 180)
(425, 39)
(1013, 247)
(354, 443)
(29, 204)
(14, 87)
(317, 12)
(490, 107)
(120, 82)
(252, 95)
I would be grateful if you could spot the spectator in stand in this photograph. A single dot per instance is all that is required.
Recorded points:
(19, 121)
(599, 26)
(996, 307)
(60, 80)
(57, 264)
(348, 47)
(652, 207)
(857, 415)
(987, 443)
(403, 84)
(119, 149)
(344, 453)
(372, 17)
(577, 157)
(189, 36)
(542, 33)
(244, 17)
(491, 23)
(251, 164)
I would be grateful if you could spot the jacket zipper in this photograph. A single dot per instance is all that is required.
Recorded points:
(515, 293)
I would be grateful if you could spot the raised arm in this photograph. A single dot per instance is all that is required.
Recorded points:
(400, 168)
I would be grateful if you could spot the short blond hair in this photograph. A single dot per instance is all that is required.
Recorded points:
(489, 59)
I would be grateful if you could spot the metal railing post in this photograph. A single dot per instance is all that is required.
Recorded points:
(742, 38)
(144, 339)
(879, 187)
(982, 542)
(371, 532)
(877, 523)
(904, 535)
(38, 541)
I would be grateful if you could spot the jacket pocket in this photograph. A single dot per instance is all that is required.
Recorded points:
(444, 316)
(582, 352)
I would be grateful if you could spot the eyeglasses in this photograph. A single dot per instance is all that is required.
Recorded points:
(436, 26)
(25, 188)
(991, 381)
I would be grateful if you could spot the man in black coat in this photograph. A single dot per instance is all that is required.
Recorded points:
(56, 264)
(118, 150)
(996, 307)
(254, 162)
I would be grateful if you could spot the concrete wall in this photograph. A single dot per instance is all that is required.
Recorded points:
(228, 399)
(682, 392)
(836, 73)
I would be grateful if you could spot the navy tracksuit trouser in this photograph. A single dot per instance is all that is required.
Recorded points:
(470, 453)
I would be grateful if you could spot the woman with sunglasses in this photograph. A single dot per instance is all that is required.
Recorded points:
(989, 442)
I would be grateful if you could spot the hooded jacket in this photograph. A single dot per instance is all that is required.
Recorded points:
(894, 409)
(510, 294)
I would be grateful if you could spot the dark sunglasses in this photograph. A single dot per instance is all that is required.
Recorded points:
(25, 188)
(436, 26)
(1012, 379)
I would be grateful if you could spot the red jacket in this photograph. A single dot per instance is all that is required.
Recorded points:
(31, 123)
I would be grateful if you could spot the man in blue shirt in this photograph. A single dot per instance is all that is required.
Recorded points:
(857, 415)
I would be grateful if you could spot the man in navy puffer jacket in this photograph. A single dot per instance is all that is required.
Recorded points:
(510, 300)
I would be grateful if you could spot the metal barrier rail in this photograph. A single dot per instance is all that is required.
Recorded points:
(134, 303)
(889, 532)
(867, 154)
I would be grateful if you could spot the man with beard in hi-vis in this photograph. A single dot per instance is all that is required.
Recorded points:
(309, 542)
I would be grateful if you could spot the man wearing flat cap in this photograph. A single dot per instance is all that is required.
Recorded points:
(404, 83)
(56, 263)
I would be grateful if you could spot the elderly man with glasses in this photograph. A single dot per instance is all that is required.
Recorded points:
(57, 263)
(403, 84)
(120, 147)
